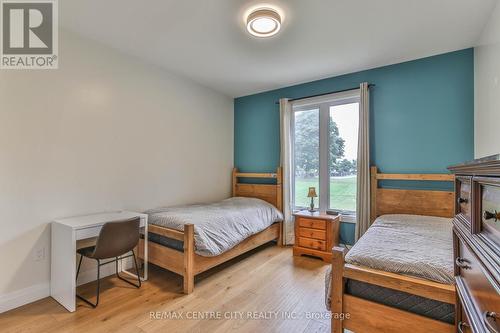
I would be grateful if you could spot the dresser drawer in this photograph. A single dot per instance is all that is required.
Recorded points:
(464, 197)
(487, 212)
(481, 287)
(312, 243)
(312, 233)
(312, 223)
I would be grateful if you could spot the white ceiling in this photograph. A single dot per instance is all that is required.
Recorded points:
(205, 40)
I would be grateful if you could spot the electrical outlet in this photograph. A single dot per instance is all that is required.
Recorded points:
(39, 254)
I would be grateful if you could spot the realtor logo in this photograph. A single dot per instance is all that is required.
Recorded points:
(29, 34)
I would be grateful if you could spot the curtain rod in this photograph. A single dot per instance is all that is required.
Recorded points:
(323, 94)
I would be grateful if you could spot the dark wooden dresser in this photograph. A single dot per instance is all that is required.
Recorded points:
(476, 236)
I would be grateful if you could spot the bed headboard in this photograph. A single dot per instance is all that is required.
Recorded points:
(418, 202)
(272, 193)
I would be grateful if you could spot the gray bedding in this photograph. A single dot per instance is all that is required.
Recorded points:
(414, 245)
(220, 226)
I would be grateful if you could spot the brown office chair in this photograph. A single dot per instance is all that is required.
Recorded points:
(115, 240)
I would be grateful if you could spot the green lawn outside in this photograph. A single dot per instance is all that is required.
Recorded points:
(342, 192)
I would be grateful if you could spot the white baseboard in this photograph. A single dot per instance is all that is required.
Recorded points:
(34, 293)
(24, 296)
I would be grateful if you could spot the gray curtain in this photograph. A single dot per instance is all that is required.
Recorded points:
(363, 186)
(287, 164)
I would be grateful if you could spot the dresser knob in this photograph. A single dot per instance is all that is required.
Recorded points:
(489, 215)
(487, 315)
(461, 325)
(462, 200)
(462, 263)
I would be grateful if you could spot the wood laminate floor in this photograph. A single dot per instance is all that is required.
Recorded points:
(267, 290)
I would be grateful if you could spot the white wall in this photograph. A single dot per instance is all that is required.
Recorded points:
(103, 132)
(487, 88)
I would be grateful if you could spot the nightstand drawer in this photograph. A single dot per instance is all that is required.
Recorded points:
(312, 223)
(312, 233)
(312, 243)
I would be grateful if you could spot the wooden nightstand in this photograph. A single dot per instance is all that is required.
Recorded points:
(315, 234)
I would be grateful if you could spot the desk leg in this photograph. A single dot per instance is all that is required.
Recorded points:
(145, 273)
(63, 266)
(146, 240)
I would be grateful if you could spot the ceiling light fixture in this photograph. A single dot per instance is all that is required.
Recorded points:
(263, 22)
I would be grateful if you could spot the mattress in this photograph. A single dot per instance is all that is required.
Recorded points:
(167, 242)
(414, 245)
(398, 299)
(218, 227)
(404, 301)
(174, 244)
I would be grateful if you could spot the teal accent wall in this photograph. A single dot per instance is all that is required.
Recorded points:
(421, 116)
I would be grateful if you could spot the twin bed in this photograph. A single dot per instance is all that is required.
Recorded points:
(398, 277)
(189, 240)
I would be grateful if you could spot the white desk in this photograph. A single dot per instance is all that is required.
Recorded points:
(65, 234)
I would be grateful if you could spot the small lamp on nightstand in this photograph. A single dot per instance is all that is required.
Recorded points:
(312, 194)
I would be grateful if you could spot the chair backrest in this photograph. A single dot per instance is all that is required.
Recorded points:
(117, 238)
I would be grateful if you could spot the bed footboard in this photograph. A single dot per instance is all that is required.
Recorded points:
(337, 289)
(187, 263)
(181, 263)
(360, 315)
(188, 273)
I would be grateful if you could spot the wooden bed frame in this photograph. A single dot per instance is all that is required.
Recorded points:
(187, 263)
(360, 315)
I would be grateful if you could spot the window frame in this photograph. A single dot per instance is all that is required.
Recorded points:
(323, 105)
